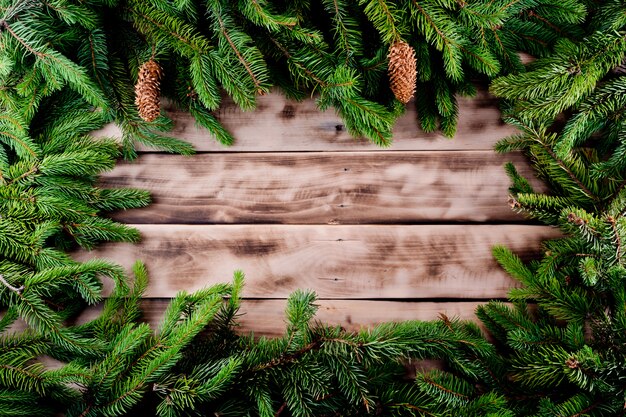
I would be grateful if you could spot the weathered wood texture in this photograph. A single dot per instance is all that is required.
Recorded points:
(280, 125)
(338, 262)
(297, 203)
(320, 188)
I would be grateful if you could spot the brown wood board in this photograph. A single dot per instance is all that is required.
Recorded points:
(321, 188)
(338, 262)
(279, 124)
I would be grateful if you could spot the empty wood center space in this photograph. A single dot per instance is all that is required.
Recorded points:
(296, 203)
(321, 187)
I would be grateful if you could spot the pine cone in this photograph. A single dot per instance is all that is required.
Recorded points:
(402, 70)
(148, 91)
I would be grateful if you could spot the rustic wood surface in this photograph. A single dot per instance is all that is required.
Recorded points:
(321, 188)
(380, 235)
(338, 262)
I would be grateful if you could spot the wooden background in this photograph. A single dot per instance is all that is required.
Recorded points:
(380, 234)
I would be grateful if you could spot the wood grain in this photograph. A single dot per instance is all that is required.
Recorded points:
(338, 262)
(320, 188)
(279, 125)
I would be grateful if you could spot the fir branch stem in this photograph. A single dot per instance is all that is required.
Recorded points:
(414, 407)
(506, 6)
(343, 28)
(532, 13)
(23, 371)
(299, 65)
(261, 11)
(280, 410)
(162, 27)
(240, 57)
(390, 18)
(381, 137)
(25, 174)
(21, 41)
(586, 410)
(93, 62)
(564, 167)
(21, 142)
(17, 290)
(431, 22)
(444, 389)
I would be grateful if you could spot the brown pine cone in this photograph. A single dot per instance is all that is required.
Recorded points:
(402, 71)
(148, 91)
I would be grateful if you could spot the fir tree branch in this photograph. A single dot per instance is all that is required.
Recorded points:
(431, 22)
(526, 36)
(32, 170)
(33, 375)
(561, 164)
(584, 412)
(198, 49)
(240, 57)
(292, 357)
(618, 241)
(93, 62)
(381, 139)
(509, 5)
(537, 138)
(496, 36)
(17, 290)
(387, 17)
(18, 7)
(615, 194)
(270, 20)
(54, 329)
(5, 26)
(532, 13)
(23, 144)
(421, 410)
(308, 72)
(285, 359)
(344, 30)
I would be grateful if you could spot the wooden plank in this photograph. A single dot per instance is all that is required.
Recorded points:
(338, 262)
(320, 188)
(279, 124)
(267, 318)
